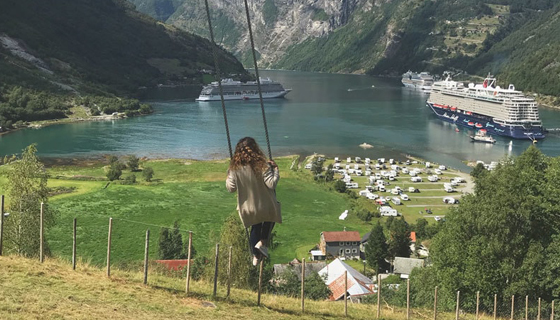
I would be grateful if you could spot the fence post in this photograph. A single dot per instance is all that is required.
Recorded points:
(539, 310)
(435, 303)
(41, 230)
(1, 223)
(260, 282)
(189, 264)
(109, 247)
(495, 305)
(303, 285)
(512, 306)
(378, 296)
(346, 293)
(74, 245)
(216, 270)
(229, 272)
(477, 303)
(552, 313)
(407, 299)
(457, 306)
(526, 307)
(146, 247)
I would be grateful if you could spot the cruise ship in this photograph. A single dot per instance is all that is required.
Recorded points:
(504, 112)
(237, 90)
(422, 80)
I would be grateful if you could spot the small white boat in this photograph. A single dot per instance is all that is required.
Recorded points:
(481, 136)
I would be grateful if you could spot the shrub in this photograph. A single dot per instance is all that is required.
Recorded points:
(114, 173)
(133, 162)
(340, 186)
(148, 174)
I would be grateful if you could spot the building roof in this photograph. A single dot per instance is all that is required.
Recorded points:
(365, 238)
(405, 265)
(413, 236)
(310, 268)
(358, 284)
(338, 236)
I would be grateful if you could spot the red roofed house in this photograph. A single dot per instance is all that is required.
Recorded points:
(345, 244)
(412, 241)
(358, 284)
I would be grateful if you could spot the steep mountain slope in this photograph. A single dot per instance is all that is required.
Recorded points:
(96, 46)
(527, 57)
(374, 36)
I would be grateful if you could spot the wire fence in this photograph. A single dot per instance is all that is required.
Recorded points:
(133, 245)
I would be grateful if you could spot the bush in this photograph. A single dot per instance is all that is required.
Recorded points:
(148, 174)
(114, 172)
(130, 179)
(133, 162)
(340, 186)
(364, 215)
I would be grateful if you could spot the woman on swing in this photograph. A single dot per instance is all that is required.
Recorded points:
(254, 178)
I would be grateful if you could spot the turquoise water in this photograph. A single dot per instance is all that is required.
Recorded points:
(325, 113)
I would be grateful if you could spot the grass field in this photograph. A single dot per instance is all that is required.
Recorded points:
(193, 193)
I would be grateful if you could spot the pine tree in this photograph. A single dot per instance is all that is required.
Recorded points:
(376, 248)
(399, 242)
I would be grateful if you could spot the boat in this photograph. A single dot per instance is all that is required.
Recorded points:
(237, 90)
(481, 136)
(500, 111)
(422, 80)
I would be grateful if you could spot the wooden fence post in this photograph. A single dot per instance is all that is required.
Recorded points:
(146, 251)
(41, 231)
(407, 299)
(346, 293)
(512, 306)
(539, 310)
(495, 305)
(477, 303)
(552, 313)
(457, 306)
(229, 271)
(260, 282)
(189, 264)
(109, 247)
(74, 244)
(526, 307)
(1, 223)
(378, 296)
(216, 270)
(303, 285)
(435, 303)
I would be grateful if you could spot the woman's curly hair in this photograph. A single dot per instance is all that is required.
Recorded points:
(247, 152)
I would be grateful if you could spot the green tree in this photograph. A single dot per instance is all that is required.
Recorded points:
(114, 172)
(501, 239)
(133, 162)
(329, 174)
(148, 173)
(165, 244)
(376, 250)
(171, 243)
(317, 167)
(420, 229)
(289, 284)
(26, 189)
(478, 171)
(399, 241)
(340, 186)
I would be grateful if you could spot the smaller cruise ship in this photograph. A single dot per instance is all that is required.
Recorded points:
(422, 80)
(237, 90)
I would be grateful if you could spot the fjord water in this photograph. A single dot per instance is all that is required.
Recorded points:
(325, 113)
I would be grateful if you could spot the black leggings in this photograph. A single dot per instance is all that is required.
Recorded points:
(260, 231)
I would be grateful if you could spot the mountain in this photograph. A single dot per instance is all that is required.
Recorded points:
(97, 47)
(382, 37)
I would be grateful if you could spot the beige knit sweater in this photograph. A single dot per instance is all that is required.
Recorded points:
(256, 196)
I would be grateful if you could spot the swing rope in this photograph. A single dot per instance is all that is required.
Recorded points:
(258, 78)
(218, 74)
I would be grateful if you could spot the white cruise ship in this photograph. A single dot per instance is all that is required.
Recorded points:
(422, 80)
(505, 112)
(237, 90)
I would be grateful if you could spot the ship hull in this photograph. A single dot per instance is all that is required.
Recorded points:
(265, 95)
(493, 128)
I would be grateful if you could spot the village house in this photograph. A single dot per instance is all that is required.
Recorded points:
(343, 244)
(358, 285)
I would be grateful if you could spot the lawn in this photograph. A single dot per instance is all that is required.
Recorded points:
(193, 193)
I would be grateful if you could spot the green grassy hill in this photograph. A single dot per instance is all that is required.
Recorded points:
(97, 47)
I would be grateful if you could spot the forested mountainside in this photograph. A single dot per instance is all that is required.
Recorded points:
(96, 47)
(384, 37)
